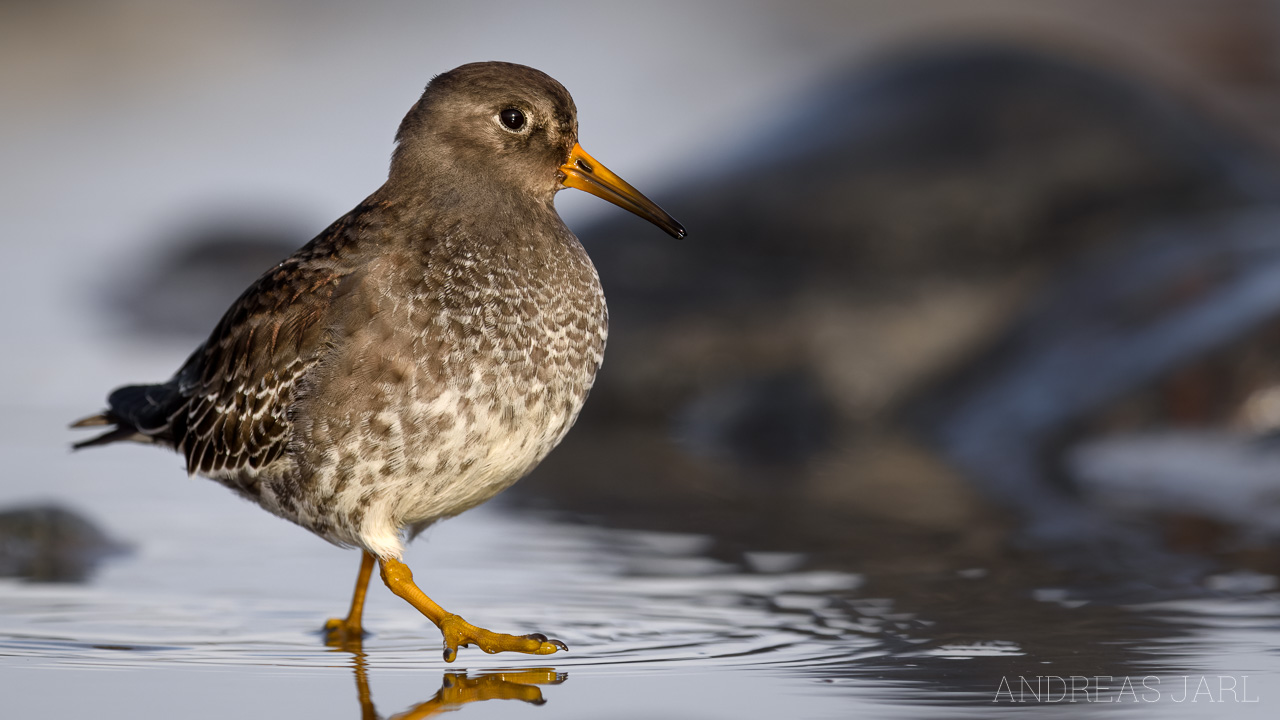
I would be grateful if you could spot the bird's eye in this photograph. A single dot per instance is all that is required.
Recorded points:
(512, 118)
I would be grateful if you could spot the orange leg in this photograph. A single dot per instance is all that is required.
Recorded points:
(348, 632)
(458, 632)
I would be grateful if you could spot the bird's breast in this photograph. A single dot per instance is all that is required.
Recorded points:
(459, 381)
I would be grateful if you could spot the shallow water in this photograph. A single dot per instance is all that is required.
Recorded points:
(217, 608)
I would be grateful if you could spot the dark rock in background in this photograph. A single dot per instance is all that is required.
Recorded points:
(1103, 329)
(898, 193)
(900, 309)
(965, 253)
(182, 292)
(51, 544)
(768, 421)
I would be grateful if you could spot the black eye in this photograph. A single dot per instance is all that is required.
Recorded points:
(512, 118)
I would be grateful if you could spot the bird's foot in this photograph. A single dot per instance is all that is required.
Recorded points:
(344, 633)
(460, 633)
(456, 631)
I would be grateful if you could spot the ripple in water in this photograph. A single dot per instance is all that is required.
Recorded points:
(656, 609)
(647, 601)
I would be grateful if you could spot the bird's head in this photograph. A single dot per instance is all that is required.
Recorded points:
(492, 127)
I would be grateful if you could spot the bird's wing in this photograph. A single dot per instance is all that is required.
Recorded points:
(239, 386)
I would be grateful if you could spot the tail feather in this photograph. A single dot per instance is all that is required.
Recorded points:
(146, 407)
(119, 434)
(139, 412)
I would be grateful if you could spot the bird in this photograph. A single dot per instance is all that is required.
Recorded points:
(421, 354)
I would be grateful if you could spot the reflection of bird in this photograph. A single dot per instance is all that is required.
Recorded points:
(422, 354)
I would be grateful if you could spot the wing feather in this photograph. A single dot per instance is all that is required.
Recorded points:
(240, 384)
(228, 408)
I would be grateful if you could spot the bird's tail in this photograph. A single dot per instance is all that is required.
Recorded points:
(115, 434)
(140, 413)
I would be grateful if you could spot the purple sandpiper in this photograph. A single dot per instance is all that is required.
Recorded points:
(421, 354)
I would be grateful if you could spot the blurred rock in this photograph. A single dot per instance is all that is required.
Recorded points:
(940, 274)
(966, 253)
(51, 544)
(1102, 331)
(774, 420)
(182, 292)
(912, 203)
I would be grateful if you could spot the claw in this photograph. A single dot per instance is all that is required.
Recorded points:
(559, 644)
(450, 654)
(537, 636)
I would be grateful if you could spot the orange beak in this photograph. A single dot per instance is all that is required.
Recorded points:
(584, 173)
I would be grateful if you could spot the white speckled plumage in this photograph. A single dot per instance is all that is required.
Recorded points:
(417, 426)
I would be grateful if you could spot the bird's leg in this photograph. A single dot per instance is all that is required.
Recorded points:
(458, 632)
(347, 632)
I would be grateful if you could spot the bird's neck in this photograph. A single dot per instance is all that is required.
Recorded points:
(472, 211)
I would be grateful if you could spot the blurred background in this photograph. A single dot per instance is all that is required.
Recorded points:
(973, 291)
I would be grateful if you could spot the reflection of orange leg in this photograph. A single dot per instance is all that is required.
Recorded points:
(458, 689)
(363, 696)
(458, 632)
(347, 632)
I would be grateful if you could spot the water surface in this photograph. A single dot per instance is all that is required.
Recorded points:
(217, 608)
